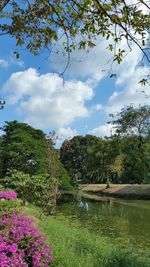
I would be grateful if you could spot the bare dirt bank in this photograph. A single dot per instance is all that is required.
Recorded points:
(134, 191)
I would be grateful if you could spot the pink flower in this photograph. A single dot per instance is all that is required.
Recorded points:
(21, 243)
(8, 195)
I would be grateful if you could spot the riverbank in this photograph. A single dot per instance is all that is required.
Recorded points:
(128, 191)
(75, 246)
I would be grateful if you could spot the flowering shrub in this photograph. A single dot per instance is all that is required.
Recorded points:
(8, 195)
(21, 244)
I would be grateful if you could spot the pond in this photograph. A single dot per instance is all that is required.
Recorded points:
(124, 222)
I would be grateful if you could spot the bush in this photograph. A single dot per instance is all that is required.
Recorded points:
(21, 244)
(65, 181)
(8, 195)
(19, 182)
(9, 205)
(8, 201)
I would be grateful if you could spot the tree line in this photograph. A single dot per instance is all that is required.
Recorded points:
(32, 166)
(122, 158)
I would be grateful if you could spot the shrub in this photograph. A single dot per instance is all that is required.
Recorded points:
(19, 182)
(65, 181)
(32, 189)
(21, 244)
(9, 205)
(8, 201)
(8, 195)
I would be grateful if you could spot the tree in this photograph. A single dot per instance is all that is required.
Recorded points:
(76, 153)
(30, 165)
(53, 173)
(23, 148)
(88, 159)
(133, 121)
(133, 125)
(41, 23)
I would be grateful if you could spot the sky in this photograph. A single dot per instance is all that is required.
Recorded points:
(78, 103)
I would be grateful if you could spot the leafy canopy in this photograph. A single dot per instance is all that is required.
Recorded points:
(23, 148)
(41, 23)
(133, 128)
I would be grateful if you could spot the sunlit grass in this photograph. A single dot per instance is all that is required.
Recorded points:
(74, 246)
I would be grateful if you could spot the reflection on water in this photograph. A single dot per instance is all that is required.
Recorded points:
(126, 223)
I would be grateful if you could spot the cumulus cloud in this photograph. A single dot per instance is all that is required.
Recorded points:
(45, 100)
(89, 64)
(103, 130)
(96, 63)
(65, 133)
(133, 92)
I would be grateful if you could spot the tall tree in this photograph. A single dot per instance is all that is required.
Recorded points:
(133, 121)
(23, 148)
(133, 125)
(88, 159)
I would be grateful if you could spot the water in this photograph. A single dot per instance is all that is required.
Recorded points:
(125, 223)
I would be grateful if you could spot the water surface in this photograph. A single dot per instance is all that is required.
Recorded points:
(123, 222)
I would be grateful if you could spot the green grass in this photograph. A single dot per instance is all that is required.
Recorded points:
(74, 246)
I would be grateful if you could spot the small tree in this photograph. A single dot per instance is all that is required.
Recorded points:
(53, 173)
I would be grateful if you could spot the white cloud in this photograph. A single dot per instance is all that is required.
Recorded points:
(88, 64)
(95, 64)
(10, 61)
(95, 108)
(103, 130)
(45, 100)
(65, 133)
(133, 92)
(98, 107)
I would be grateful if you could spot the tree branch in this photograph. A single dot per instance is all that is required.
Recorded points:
(3, 4)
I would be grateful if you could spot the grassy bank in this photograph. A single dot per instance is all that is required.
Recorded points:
(74, 246)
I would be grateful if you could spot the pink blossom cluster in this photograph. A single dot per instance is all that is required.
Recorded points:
(21, 243)
(8, 195)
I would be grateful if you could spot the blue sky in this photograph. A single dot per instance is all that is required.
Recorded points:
(81, 103)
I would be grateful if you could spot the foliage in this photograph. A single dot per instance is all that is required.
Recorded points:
(122, 158)
(39, 24)
(133, 121)
(19, 182)
(136, 162)
(23, 148)
(78, 247)
(21, 244)
(132, 127)
(65, 181)
(117, 167)
(34, 189)
(30, 165)
(8, 201)
(88, 159)
(9, 205)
